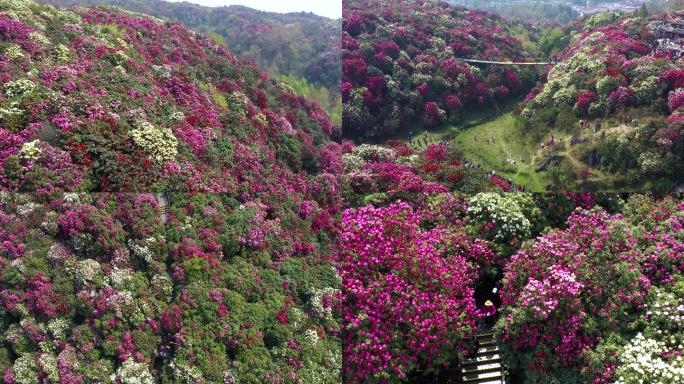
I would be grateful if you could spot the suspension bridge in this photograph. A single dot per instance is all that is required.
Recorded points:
(529, 62)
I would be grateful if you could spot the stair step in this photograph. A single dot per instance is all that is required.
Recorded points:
(483, 367)
(485, 349)
(490, 358)
(477, 377)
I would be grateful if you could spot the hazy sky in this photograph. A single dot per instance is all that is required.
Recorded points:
(327, 8)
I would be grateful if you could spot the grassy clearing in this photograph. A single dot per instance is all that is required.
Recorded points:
(490, 139)
(477, 145)
(492, 143)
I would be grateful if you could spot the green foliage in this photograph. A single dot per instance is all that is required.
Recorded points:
(328, 98)
(290, 151)
(553, 41)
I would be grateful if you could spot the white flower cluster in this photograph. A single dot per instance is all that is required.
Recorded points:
(39, 38)
(311, 336)
(25, 370)
(565, 96)
(62, 54)
(121, 279)
(11, 112)
(48, 364)
(71, 199)
(30, 151)
(162, 71)
(667, 311)
(177, 116)
(183, 373)
(59, 328)
(14, 52)
(351, 162)
(296, 317)
(162, 284)
(655, 355)
(19, 88)
(650, 161)
(143, 251)
(374, 153)
(118, 59)
(317, 306)
(505, 211)
(238, 102)
(49, 224)
(408, 160)
(647, 89)
(24, 210)
(159, 143)
(132, 372)
(88, 270)
(642, 361)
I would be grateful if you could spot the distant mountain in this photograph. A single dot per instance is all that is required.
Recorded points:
(302, 45)
(657, 6)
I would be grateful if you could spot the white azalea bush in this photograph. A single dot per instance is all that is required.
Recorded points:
(506, 216)
(655, 354)
(159, 143)
(19, 88)
(374, 153)
(132, 372)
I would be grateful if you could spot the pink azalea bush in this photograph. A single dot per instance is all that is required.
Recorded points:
(407, 292)
(567, 291)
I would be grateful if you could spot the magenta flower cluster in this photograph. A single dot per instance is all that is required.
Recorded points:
(408, 292)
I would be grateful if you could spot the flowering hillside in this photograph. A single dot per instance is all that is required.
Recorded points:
(126, 286)
(401, 63)
(266, 37)
(98, 288)
(301, 47)
(589, 287)
(95, 99)
(599, 301)
(611, 71)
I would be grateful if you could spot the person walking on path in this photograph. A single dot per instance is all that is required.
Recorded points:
(489, 312)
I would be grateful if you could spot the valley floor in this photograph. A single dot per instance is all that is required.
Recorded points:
(496, 142)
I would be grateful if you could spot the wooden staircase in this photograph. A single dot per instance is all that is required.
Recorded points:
(163, 202)
(484, 366)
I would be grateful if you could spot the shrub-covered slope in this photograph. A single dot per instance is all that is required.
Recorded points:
(96, 288)
(110, 287)
(100, 100)
(401, 64)
(612, 75)
(300, 44)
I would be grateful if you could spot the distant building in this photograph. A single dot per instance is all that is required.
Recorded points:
(593, 6)
(670, 34)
